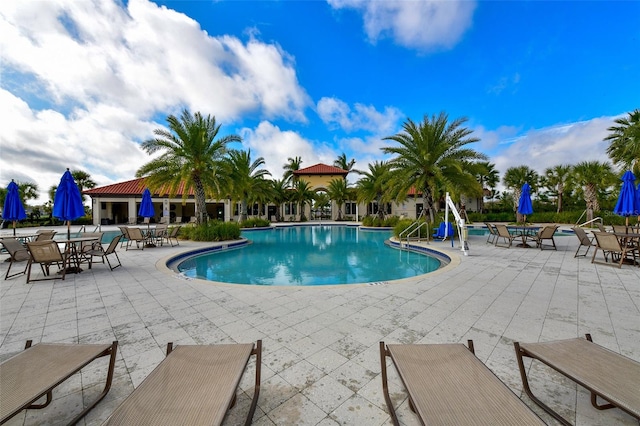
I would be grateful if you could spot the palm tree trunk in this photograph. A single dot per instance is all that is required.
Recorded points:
(201, 203)
(429, 204)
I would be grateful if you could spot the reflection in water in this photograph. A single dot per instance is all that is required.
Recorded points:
(310, 255)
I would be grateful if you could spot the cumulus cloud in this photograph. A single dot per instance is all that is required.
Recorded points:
(83, 83)
(562, 144)
(335, 112)
(418, 24)
(276, 146)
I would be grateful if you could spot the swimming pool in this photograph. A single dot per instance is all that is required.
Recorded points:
(309, 256)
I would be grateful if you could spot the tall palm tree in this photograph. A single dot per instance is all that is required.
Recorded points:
(431, 157)
(342, 163)
(83, 180)
(292, 165)
(373, 185)
(338, 191)
(192, 154)
(246, 179)
(624, 147)
(594, 177)
(303, 195)
(487, 176)
(556, 178)
(514, 178)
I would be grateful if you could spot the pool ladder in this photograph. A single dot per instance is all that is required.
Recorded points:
(411, 231)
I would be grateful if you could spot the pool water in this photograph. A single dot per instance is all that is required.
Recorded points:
(107, 236)
(309, 256)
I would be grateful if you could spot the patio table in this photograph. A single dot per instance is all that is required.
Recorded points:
(73, 255)
(524, 232)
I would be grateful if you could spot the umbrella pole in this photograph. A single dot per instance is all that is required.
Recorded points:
(68, 230)
(14, 228)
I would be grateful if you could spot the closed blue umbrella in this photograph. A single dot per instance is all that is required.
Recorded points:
(146, 210)
(626, 205)
(67, 203)
(13, 209)
(524, 203)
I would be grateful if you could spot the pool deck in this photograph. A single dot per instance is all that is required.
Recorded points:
(321, 362)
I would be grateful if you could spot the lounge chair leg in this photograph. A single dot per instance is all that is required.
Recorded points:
(527, 389)
(385, 386)
(112, 362)
(257, 351)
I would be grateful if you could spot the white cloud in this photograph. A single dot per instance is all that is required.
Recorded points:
(276, 146)
(83, 82)
(569, 143)
(334, 112)
(418, 24)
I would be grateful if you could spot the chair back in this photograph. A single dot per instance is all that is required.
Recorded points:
(607, 241)
(87, 245)
(113, 244)
(161, 230)
(548, 231)
(502, 230)
(45, 251)
(16, 250)
(582, 236)
(45, 235)
(601, 227)
(491, 228)
(620, 228)
(135, 234)
(174, 231)
(124, 230)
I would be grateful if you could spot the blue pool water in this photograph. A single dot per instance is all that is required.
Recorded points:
(309, 256)
(107, 236)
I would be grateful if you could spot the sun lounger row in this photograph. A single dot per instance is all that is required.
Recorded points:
(446, 383)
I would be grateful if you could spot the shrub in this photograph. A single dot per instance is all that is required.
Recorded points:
(255, 223)
(212, 231)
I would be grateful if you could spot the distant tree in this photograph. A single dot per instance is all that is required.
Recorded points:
(338, 191)
(593, 177)
(487, 176)
(246, 179)
(430, 158)
(514, 178)
(292, 165)
(342, 163)
(373, 185)
(555, 179)
(624, 142)
(279, 195)
(303, 195)
(83, 180)
(191, 153)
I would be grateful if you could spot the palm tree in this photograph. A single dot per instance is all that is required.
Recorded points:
(373, 185)
(292, 165)
(594, 177)
(303, 195)
(342, 163)
(246, 179)
(83, 180)
(431, 159)
(279, 195)
(624, 147)
(192, 155)
(514, 178)
(338, 191)
(556, 178)
(486, 175)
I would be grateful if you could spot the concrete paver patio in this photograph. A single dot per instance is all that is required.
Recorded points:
(320, 344)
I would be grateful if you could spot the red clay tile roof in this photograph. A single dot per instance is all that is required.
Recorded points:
(130, 187)
(321, 169)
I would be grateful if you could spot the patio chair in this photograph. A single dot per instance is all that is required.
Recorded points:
(125, 235)
(135, 235)
(503, 232)
(99, 251)
(17, 253)
(192, 385)
(160, 234)
(601, 227)
(610, 245)
(448, 385)
(493, 234)
(172, 235)
(546, 234)
(35, 372)
(606, 374)
(585, 241)
(46, 253)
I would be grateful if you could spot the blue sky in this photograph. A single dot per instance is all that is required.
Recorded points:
(82, 83)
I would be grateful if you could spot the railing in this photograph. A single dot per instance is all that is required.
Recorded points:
(589, 221)
(83, 228)
(413, 228)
